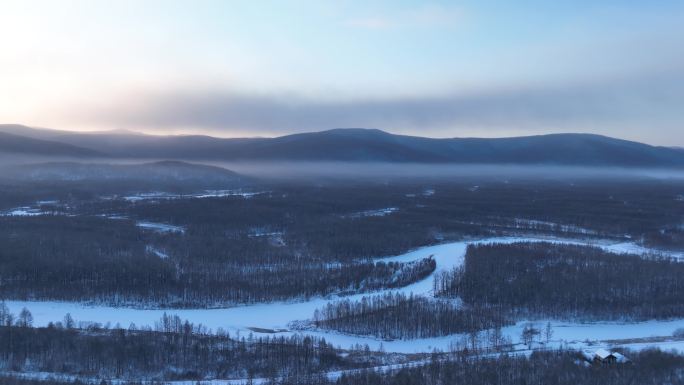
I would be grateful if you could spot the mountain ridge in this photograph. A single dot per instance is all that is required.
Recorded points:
(17, 144)
(373, 145)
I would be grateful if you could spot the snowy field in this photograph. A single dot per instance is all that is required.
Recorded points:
(277, 316)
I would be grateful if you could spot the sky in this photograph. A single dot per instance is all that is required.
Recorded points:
(268, 68)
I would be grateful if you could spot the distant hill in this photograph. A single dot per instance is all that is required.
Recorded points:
(29, 132)
(368, 145)
(164, 171)
(128, 144)
(15, 144)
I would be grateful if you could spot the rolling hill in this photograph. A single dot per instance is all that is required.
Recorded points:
(362, 145)
(16, 144)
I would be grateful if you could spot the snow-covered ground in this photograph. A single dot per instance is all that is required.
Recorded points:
(22, 212)
(633, 248)
(374, 213)
(205, 194)
(532, 223)
(332, 375)
(159, 253)
(160, 227)
(28, 212)
(675, 346)
(278, 315)
(35, 209)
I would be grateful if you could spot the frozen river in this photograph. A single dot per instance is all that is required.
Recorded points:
(277, 315)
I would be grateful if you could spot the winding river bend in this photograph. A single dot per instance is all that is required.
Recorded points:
(276, 316)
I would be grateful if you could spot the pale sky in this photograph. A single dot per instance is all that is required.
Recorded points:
(266, 68)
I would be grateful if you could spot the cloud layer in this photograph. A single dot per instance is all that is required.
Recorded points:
(437, 68)
(612, 108)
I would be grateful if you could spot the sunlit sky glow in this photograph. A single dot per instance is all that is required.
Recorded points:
(266, 68)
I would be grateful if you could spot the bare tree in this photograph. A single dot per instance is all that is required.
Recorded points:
(548, 332)
(528, 335)
(69, 322)
(5, 315)
(25, 319)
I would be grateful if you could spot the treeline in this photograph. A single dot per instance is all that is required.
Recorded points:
(215, 283)
(398, 316)
(104, 260)
(568, 281)
(647, 367)
(310, 210)
(57, 380)
(22, 185)
(557, 367)
(298, 239)
(469, 204)
(316, 222)
(14, 380)
(670, 238)
(173, 350)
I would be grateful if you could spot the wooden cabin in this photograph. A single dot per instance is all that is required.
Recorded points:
(605, 357)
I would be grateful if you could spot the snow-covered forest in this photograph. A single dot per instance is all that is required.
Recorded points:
(566, 281)
(315, 282)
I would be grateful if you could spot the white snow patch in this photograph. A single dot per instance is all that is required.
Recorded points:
(374, 213)
(48, 202)
(159, 253)
(533, 223)
(28, 212)
(23, 212)
(160, 195)
(160, 227)
(633, 248)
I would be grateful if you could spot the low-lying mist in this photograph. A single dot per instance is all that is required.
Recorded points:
(396, 171)
(367, 171)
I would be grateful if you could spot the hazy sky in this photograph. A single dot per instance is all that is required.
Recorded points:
(440, 68)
